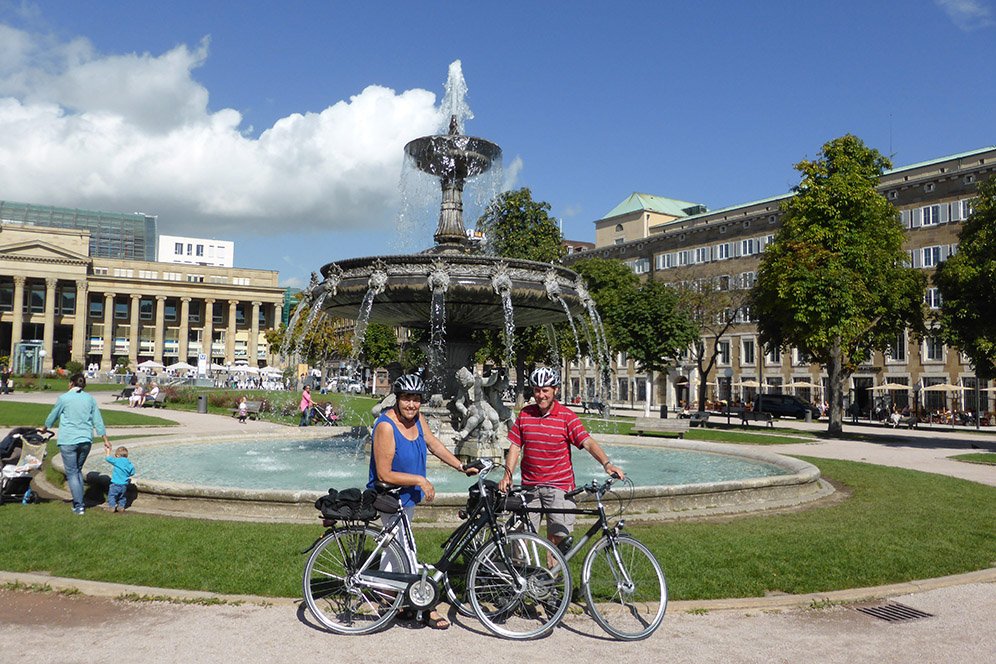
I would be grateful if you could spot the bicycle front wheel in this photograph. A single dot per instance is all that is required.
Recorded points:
(333, 595)
(624, 587)
(519, 586)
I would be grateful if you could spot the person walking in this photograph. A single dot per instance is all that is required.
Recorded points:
(305, 406)
(542, 436)
(78, 417)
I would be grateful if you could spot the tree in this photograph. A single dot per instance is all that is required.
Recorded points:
(380, 345)
(608, 280)
(650, 327)
(318, 343)
(967, 282)
(714, 305)
(516, 226)
(833, 283)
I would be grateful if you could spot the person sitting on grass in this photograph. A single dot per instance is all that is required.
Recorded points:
(124, 470)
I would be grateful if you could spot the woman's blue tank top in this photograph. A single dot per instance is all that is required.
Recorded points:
(409, 457)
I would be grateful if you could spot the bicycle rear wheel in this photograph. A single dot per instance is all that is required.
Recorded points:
(455, 581)
(519, 586)
(624, 587)
(333, 596)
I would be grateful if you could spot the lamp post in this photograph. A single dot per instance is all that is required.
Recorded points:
(916, 402)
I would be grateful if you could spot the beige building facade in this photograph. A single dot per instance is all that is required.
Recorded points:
(725, 246)
(60, 303)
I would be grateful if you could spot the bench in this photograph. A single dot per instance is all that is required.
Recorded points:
(748, 415)
(662, 425)
(125, 393)
(596, 406)
(252, 410)
(158, 402)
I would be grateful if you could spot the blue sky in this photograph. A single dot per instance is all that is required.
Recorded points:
(280, 125)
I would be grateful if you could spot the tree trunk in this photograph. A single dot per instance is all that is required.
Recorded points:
(837, 376)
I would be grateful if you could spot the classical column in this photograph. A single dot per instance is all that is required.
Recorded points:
(48, 334)
(15, 332)
(184, 328)
(133, 337)
(106, 356)
(254, 335)
(81, 322)
(278, 315)
(230, 335)
(208, 330)
(157, 354)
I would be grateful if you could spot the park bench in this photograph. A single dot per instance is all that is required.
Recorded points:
(748, 415)
(125, 393)
(252, 410)
(662, 425)
(158, 402)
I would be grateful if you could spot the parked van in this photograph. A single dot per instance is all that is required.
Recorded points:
(784, 405)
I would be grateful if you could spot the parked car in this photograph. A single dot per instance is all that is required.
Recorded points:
(349, 386)
(784, 405)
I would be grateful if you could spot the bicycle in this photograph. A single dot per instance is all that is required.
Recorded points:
(358, 578)
(624, 586)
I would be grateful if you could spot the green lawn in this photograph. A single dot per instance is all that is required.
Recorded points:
(16, 414)
(898, 525)
(985, 458)
(716, 433)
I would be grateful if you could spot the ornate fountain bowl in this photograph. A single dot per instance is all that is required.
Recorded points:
(453, 156)
(471, 301)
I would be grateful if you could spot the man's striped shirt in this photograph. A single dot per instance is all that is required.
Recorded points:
(545, 441)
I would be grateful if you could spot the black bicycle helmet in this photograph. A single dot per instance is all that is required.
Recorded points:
(545, 377)
(410, 384)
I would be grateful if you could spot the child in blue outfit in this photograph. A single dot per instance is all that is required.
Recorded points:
(124, 470)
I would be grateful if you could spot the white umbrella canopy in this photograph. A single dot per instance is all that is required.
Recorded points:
(748, 383)
(180, 366)
(944, 387)
(218, 367)
(803, 383)
(272, 371)
(244, 368)
(150, 364)
(889, 387)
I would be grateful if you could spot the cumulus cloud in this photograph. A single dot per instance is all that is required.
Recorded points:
(968, 15)
(135, 132)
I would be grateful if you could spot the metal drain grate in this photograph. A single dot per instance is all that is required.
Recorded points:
(893, 612)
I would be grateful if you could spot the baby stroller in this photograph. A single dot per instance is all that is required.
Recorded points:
(324, 415)
(22, 452)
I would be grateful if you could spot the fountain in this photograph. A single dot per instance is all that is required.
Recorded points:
(453, 289)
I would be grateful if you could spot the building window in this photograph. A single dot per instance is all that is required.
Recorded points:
(897, 351)
(933, 298)
(178, 248)
(722, 251)
(683, 257)
(194, 311)
(190, 249)
(931, 256)
(200, 250)
(724, 352)
(702, 255)
(619, 228)
(36, 296)
(120, 310)
(747, 247)
(7, 296)
(747, 279)
(171, 276)
(148, 274)
(195, 278)
(774, 355)
(933, 349)
(618, 240)
(67, 301)
(97, 307)
(747, 352)
(100, 271)
(169, 311)
(930, 215)
(124, 272)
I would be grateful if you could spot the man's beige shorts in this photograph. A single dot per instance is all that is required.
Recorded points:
(548, 497)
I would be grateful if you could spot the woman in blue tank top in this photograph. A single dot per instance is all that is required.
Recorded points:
(401, 439)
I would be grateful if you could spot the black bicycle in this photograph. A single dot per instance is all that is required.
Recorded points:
(624, 587)
(358, 577)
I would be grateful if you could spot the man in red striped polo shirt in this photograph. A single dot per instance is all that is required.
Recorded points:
(542, 437)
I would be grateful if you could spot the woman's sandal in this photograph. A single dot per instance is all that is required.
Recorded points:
(437, 622)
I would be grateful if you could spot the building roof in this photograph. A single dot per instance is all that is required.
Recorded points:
(939, 160)
(637, 202)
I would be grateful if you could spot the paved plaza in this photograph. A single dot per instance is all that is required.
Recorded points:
(84, 627)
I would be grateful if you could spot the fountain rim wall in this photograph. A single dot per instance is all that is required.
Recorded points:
(801, 484)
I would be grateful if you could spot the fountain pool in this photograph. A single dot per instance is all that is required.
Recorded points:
(280, 478)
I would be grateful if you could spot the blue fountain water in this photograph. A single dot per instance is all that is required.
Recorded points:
(342, 462)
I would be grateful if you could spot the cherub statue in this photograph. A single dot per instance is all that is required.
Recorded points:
(474, 410)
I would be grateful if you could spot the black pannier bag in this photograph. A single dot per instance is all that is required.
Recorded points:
(348, 505)
(474, 494)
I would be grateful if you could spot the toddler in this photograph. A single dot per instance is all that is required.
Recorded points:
(124, 470)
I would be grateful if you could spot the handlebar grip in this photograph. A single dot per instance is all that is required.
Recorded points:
(476, 464)
(571, 494)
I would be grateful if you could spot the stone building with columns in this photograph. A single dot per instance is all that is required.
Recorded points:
(57, 298)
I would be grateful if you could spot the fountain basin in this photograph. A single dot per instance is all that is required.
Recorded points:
(797, 483)
(471, 301)
(453, 156)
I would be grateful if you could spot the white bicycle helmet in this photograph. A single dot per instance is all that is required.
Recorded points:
(545, 377)
(409, 384)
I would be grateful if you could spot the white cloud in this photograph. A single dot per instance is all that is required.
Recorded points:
(968, 14)
(135, 132)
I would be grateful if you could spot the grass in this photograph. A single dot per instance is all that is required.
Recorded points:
(898, 525)
(16, 414)
(716, 433)
(985, 458)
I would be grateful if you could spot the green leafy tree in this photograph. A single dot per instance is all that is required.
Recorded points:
(380, 345)
(317, 343)
(833, 283)
(967, 282)
(516, 226)
(650, 326)
(608, 280)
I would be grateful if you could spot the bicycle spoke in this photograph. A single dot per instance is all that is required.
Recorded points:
(625, 588)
